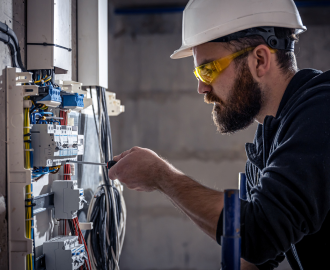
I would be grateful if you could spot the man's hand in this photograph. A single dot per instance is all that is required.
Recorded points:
(141, 169)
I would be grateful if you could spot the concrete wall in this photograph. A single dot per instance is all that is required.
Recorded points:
(165, 113)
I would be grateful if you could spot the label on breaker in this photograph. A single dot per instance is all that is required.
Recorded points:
(66, 152)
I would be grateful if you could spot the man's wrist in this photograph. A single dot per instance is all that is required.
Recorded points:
(168, 179)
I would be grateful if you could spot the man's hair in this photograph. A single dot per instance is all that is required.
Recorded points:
(286, 60)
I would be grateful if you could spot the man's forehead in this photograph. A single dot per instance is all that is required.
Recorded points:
(208, 52)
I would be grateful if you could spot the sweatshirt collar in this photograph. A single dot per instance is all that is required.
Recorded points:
(301, 78)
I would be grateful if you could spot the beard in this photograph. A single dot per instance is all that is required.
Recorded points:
(243, 104)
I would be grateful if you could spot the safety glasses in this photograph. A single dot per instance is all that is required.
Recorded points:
(208, 72)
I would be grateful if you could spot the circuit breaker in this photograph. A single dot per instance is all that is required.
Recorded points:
(64, 253)
(55, 143)
(68, 198)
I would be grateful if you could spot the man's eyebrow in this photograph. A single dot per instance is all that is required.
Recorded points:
(206, 61)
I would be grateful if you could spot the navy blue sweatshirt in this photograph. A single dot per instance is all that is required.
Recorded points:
(288, 180)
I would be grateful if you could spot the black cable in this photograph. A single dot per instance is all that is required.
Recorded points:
(12, 36)
(102, 250)
(5, 28)
(10, 43)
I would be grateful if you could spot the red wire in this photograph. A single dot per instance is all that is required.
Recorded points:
(74, 226)
(63, 121)
(82, 237)
(75, 221)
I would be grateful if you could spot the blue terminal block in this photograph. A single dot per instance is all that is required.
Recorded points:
(51, 96)
(72, 101)
(231, 239)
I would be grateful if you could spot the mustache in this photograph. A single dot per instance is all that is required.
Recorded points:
(210, 98)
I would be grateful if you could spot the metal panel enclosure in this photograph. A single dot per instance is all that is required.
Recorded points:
(93, 42)
(49, 21)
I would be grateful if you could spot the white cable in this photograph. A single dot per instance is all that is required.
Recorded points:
(89, 245)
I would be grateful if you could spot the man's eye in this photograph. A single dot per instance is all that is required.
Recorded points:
(206, 71)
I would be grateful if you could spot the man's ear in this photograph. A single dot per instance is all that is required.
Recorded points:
(260, 61)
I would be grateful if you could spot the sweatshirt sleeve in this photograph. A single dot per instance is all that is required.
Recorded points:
(269, 265)
(292, 198)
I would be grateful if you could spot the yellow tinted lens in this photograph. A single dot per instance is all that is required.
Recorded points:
(206, 73)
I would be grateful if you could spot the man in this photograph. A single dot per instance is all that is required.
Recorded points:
(245, 65)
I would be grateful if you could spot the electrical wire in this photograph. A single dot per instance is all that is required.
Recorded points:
(13, 39)
(75, 221)
(107, 208)
(10, 43)
(28, 224)
(27, 139)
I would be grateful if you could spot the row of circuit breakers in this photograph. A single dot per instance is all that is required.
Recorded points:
(53, 143)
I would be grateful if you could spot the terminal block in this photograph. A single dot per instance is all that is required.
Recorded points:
(48, 95)
(53, 144)
(73, 101)
(64, 253)
(68, 198)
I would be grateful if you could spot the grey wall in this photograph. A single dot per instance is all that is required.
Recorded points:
(165, 113)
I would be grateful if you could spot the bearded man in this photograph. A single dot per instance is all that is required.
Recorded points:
(245, 64)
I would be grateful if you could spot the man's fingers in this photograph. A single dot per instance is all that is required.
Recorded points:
(116, 170)
(125, 153)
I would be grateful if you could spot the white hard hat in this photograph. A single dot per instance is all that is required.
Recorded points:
(206, 20)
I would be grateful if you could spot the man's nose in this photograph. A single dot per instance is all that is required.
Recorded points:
(203, 88)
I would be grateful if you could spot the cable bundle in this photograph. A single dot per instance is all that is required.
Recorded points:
(27, 140)
(107, 208)
(29, 224)
(9, 37)
(28, 161)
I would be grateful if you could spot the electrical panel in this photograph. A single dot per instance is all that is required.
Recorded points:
(43, 137)
(52, 197)
(64, 253)
(68, 198)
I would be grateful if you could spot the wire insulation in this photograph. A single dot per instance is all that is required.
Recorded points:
(107, 208)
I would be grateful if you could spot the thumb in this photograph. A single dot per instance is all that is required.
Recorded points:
(112, 173)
